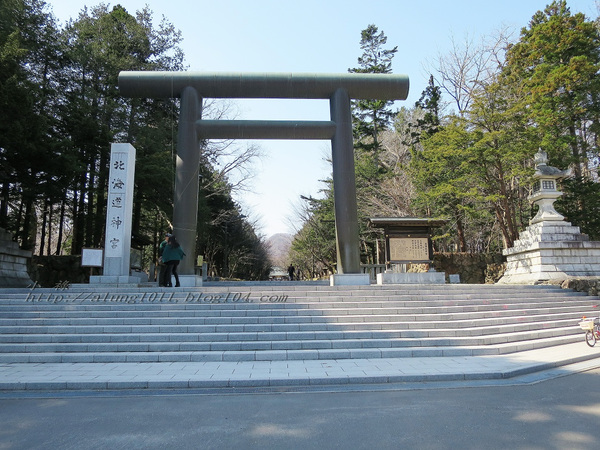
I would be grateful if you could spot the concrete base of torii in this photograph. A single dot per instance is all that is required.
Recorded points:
(349, 279)
(190, 280)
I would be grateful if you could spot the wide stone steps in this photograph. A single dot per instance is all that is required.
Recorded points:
(275, 297)
(340, 323)
(299, 307)
(265, 293)
(218, 354)
(294, 341)
(301, 310)
(230, 324)
(203, 333)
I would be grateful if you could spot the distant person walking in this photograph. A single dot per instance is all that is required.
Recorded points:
(291, 271)
(172, 254)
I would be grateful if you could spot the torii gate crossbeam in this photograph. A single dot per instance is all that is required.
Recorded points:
(339, 89)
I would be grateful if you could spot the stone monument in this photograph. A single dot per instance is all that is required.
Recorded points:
(550, 249)
(13, 263)
(119, 213)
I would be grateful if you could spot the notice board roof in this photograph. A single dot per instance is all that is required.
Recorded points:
(400, 222)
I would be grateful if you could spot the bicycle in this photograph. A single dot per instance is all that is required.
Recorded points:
(592, 330)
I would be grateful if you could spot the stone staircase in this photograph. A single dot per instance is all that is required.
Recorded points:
(284, 322)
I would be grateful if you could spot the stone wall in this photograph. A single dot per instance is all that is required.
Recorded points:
(13, 263)
(52, 271)
(591, 285)
(473, 268)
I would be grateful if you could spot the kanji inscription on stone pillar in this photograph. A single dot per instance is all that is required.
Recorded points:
(119, 210)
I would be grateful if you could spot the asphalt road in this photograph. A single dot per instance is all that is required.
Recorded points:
(562, 413)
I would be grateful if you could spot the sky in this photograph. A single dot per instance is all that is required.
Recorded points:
(320, 36)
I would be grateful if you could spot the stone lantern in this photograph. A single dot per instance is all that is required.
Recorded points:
(545, 192)
(550, 249)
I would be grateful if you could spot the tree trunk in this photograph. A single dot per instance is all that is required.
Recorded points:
(101, 199)
(50, 215)
(19, 219)
(460, 230)
(44, 222)
(508, 241)
(4, 205)
(89, 217)
(79, 216)
(575, 152)
(27, 243)
(60, 226)
(137, 213)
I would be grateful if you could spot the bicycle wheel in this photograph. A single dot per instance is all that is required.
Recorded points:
(590, 338)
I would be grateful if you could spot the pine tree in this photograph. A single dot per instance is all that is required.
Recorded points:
(371, 117)
(556, 62)
(428, 123)
(429, 102)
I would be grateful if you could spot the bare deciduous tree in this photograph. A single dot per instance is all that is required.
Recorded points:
(465, 67)
(233, 162)
(393, 196)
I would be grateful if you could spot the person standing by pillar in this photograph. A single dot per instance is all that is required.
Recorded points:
(161, 264)
(172, 255)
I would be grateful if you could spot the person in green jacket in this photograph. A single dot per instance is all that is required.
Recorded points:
(172, 254)
(161, 264)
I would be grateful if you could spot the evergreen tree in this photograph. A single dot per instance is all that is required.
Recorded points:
(98, 45)
(442, 177)
(476, 164)
(59, 111)
(499, 157)
(580, 204)
(429, 102)
(29, 157)
(371, 117)
(313, 248)
(556, 62)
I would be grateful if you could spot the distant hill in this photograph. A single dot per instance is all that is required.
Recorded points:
(279, 248)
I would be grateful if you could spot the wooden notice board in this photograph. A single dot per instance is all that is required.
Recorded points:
(409, 249)
(407, 239)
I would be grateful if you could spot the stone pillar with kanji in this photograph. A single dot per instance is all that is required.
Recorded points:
(119, 213)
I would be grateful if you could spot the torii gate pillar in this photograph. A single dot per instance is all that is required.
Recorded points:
(192, 87)
(344, 185)
(187, 166)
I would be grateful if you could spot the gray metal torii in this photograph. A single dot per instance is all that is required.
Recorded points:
(339, 89)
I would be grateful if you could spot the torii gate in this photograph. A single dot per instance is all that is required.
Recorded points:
(192, 87)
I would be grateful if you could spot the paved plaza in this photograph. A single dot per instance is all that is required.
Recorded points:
(558, 413)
